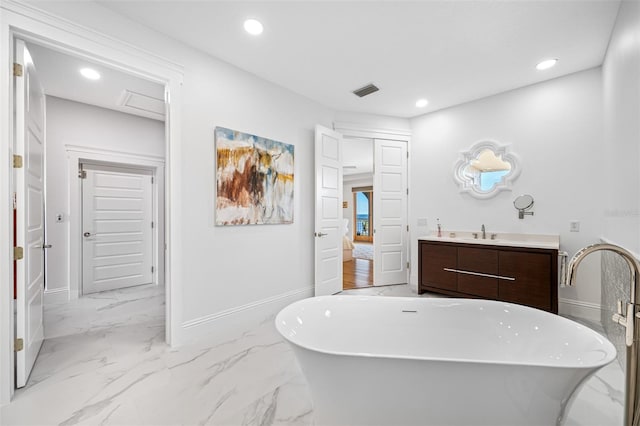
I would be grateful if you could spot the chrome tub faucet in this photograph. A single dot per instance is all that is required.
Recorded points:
(627, 317)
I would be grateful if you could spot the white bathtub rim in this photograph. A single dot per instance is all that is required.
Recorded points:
(611, 352)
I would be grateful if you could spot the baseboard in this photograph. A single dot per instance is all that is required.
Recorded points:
(584, 310)
(233, 322)
(56, 296)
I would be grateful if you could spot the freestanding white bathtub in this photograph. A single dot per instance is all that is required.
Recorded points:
(420, 361)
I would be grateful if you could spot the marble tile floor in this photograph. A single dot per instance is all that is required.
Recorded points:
(133, 305)
(109, 371)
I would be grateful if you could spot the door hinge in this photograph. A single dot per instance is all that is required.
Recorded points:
(18, 253)
(18, 345)
(407, 154)
(153, 269)
(152, 225)
(152, 180)
(17, 69)
(15, 201)
(407, 265)
(17, 161)
(407, 191)
(407, 228)
(82, 174)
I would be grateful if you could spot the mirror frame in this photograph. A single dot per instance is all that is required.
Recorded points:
(466, 185)
(528, 206)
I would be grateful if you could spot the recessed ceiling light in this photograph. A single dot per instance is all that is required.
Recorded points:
(421, 103)
(546, 64)
(90, 73)
(253, 26)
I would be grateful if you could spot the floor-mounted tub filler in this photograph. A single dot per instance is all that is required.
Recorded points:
(421, 361)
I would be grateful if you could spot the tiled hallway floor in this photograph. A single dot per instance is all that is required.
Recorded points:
(108, 365)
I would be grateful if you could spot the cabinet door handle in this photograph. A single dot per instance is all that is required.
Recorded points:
(479, 274)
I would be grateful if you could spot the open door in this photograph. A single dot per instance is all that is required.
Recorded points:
(328, 212)
(29, 144)
(390, 212)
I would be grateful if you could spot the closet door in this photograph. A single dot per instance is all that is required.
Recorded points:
(117, 242)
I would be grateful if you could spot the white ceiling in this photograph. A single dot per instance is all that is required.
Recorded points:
(60, 76)
(357, 158)
(449, 52)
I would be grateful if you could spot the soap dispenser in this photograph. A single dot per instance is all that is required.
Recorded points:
(439, 228)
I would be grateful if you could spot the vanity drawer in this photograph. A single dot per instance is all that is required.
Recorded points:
(477, 271)
(436, 263)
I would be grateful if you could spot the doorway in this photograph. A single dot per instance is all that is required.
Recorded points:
(102, 207)
(358, 193)
(390, 193)
(48, 30)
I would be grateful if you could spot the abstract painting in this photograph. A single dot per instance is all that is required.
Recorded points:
(254, 178)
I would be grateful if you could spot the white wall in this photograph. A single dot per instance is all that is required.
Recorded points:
(227, 267)
(226, 270)
(373, 122)
(556, 130)
(621, 77)
(74, 123)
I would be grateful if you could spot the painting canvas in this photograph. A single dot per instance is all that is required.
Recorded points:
(254, 178)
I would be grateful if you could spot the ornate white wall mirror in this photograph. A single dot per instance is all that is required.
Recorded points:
(486, 169)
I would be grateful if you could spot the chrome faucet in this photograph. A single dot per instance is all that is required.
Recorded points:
(627, 318)
(484, 234)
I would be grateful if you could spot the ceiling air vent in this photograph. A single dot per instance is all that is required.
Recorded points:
(366, 90)
(142, 102)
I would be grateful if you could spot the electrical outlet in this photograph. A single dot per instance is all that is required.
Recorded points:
(574, 226)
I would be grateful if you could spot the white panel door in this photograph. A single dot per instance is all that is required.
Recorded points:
(390, 212)
(30, 133)
(117, 241)
(328, 212)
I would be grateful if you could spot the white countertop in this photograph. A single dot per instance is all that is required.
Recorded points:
(502, 239)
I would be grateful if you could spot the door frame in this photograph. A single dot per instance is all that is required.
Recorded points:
(358, 130)
(19, 20)
(82, 155)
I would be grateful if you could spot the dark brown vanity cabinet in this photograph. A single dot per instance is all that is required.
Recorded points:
(528, 276)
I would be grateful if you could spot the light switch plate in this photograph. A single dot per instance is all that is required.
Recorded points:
(574, 226)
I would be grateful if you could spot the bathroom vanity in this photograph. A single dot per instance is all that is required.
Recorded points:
(516, 268)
